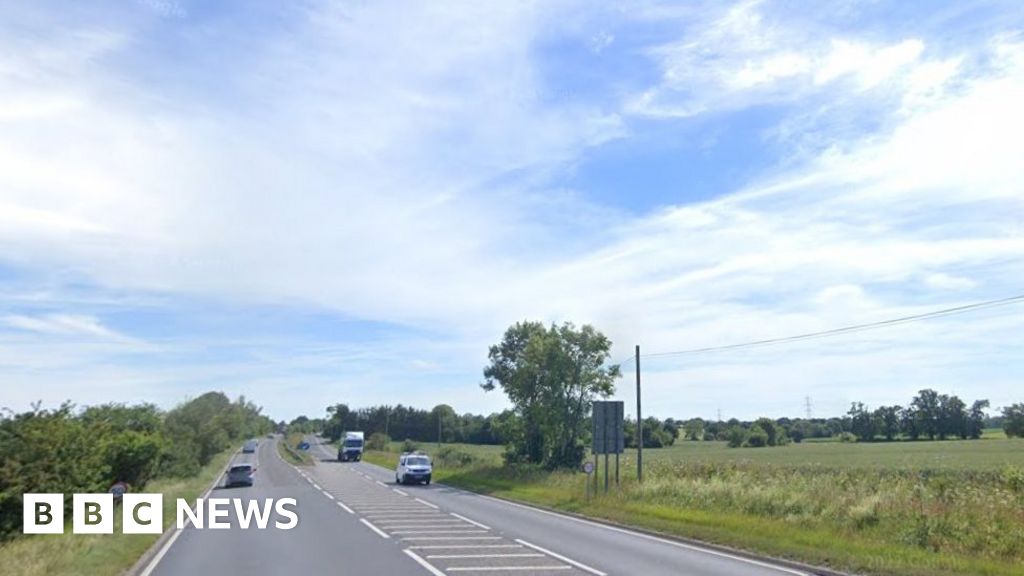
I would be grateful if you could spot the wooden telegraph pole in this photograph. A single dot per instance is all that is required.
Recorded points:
(639, 424)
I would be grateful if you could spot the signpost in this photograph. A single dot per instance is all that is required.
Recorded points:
(588, 469)
(608, 434)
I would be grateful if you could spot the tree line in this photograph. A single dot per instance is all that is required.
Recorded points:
(66, 450)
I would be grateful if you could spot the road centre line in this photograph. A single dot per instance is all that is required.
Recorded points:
(430, 568)
(473, 522)
(381, 483)
(397, 491)
(328, 494)
(345, 508)
(379, 532)
(579, 565)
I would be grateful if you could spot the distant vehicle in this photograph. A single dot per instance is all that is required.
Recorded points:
(271, 435)
(241, 475)
(250, 446)
(303, 445)
(351, 447)
(413, 468)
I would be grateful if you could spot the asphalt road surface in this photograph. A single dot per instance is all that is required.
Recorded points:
(354, 519)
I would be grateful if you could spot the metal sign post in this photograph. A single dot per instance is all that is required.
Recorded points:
(608, 436)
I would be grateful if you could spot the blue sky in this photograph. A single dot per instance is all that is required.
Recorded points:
(316, 202)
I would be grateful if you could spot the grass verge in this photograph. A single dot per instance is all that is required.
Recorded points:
(947, 522)
(288, 449)
(103, 554)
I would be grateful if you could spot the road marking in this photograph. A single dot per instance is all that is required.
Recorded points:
(430, 568)
(424, 502)
(417, 526)
(177, 531)
(345, 508)
(328, 494)
(507, 568)
(396, 532)
(381, 483)
(374, 528)
(397, 491)
(405, 514)
(453, 538)
(465, 556)
(462, 546)
(562, 558)
(473, 522)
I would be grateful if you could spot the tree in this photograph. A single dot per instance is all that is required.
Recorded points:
(694, 429)
(976, 419)
(862, 423)
(551, 376)
(1013, 420)
(887, 421)
(927, 412)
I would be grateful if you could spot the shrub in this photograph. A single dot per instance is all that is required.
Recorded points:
(757, 438)
(379, 442)
(410, 446)
(846, 437)
(736, 436)
(454, 458)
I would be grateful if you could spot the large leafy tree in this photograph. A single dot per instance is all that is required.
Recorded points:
(552, 376)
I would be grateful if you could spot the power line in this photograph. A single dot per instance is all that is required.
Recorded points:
(846, 329)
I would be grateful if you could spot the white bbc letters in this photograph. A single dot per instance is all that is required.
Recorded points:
(92, 513)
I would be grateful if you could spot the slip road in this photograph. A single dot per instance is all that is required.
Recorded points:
(353, 519)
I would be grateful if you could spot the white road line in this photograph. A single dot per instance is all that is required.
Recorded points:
(464, 546)
(177, 531)
(508, 568)
(345, 508)
(423, 563)
(579, 565)
(425, 503)
(397, 532)
(328, 494)
(465, 556)
(473, 522)
(645, 536)
(418, 526)
(397, 491)
(381, 483)
(374, 528)
(451, 538)
(406, 514)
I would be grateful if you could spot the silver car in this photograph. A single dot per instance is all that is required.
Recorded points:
(240, 475)
(250, 446)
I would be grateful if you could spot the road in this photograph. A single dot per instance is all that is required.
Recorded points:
(353, 519)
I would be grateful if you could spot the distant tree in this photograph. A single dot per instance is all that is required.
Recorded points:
(862, 422)
(953, 417)
(757, 437)
(887, 421)
(976, 419)
(1013, 420)
(551, 376)
(694, 429)
(736, 436)
(927, 407)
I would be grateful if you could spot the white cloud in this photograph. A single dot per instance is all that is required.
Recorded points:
(61, 325)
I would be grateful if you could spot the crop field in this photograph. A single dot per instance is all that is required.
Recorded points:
(919, 508)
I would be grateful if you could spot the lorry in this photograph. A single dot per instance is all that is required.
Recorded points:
(351, 447)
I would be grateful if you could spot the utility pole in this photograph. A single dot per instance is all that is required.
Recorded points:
(639, 424)
(438, 429)
(387, 422)
(807, 406)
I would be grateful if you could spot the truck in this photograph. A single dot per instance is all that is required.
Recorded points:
(351, 447)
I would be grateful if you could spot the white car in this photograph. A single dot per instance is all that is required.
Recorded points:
(413, 468)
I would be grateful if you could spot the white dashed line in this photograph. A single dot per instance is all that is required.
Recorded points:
(397, 491)
(508, 568)
(345, 508)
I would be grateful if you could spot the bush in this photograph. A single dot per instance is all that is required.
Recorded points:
(757, 437)
(846, 437)
(410, 446)
(379, 442)
(454, 458)
(736, 436)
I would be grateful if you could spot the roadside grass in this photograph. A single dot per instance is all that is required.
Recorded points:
(103, 554)
(289, 451)
(951, 508)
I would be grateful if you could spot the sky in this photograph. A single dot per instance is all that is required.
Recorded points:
(316, 202)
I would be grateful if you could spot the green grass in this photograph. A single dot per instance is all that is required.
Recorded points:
(106, 554)
(918, 508)
(288, 449)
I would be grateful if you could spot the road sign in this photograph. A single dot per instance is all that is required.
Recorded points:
(588, 467)
(609, 435)
(118, 490)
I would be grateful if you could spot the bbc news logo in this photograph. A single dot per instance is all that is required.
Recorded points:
(144, 513)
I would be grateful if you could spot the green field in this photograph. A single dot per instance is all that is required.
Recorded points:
(918, 508)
